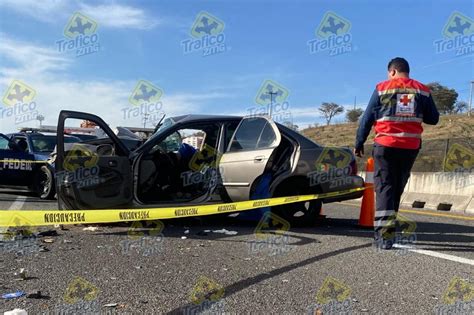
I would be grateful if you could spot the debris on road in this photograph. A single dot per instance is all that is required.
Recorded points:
(111, 305)
(21, 274)
(13, 295)
(91, 228)
(16, 311)
(48, 240)
(224, 231)
(48, 233)
(183, 237)
(35, 294)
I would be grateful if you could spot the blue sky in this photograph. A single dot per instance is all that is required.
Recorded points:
(265, 40)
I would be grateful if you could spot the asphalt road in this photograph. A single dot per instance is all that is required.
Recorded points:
(82, 271)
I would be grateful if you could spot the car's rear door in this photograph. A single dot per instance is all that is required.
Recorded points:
(92, 175)
(250, 148)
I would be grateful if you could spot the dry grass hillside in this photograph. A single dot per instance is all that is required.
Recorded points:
(449, 127)
(437, 140)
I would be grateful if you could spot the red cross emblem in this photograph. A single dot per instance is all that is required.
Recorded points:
(405, 100)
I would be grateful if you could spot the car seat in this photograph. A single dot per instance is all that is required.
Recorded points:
(23, 145)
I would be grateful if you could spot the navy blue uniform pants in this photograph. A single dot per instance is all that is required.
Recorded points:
(391, 172)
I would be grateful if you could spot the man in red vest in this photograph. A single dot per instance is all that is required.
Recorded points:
(396, 109)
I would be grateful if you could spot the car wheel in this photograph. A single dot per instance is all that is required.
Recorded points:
(301, 213)
(44, 183)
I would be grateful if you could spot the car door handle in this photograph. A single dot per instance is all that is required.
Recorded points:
(259, 159)
(113, 163)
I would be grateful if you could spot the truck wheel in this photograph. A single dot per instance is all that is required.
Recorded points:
(301, 213)
(44, 183)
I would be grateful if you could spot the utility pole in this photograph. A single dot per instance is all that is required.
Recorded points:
(145, 118)
(470, 100)
(271, 102)
(40, 118)
(355, 101)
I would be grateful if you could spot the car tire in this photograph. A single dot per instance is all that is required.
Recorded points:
(44, 183)
(300, 213)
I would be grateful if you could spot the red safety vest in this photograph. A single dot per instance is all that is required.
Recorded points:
(399, 120)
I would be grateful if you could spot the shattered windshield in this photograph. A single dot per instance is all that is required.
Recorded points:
(167, 123)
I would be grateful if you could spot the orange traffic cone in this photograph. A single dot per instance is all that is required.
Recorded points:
(367, 208)
(321, 214)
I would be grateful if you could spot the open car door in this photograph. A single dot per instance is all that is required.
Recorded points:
(94, 174)
(246, 158)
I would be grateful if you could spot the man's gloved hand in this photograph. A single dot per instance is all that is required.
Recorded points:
(359, 152)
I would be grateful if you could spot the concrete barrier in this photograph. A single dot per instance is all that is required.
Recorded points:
(455, 189)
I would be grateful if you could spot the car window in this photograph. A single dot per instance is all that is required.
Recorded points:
(253, 133)
(4, 144)
(46, 143)
(267, 138)
(229, 132)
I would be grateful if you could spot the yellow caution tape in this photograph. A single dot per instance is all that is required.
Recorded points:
(12, 218)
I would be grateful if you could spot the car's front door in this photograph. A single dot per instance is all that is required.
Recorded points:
(92, 175)
(15, 166)
(248, 153)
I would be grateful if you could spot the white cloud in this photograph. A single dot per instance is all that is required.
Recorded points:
(44, 69)
(28, 60)
(107, 15)
(44, 10)
(119, 16)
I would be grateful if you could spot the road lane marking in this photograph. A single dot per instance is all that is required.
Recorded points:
(454, 216)
(461, 260)
(426, 212)
(18, 203)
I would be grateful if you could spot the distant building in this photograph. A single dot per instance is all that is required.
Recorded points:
(195, 141)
